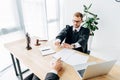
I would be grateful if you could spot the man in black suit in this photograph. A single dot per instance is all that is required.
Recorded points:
(51, 75)
(74, 36)
(56, 68)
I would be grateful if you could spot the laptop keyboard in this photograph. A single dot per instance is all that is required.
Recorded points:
(81, 72)
(83, 66)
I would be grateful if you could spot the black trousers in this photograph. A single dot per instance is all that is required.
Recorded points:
(32, 77)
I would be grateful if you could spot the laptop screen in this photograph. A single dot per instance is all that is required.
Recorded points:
(81, 72)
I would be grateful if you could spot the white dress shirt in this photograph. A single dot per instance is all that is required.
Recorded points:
(76, 44)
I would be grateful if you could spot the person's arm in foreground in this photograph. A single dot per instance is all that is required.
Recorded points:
(56, 68)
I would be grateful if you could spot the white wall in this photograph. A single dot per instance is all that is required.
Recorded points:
(106, 41)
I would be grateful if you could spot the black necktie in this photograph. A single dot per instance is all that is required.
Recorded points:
(75, 31)
(75, 36)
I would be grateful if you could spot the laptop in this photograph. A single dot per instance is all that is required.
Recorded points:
(94, 69)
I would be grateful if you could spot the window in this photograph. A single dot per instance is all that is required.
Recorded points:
(34, 18)
(53, 17)
(38, 17)
(41, 17)
(9, 17)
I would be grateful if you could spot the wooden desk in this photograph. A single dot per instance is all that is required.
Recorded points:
(40, 65)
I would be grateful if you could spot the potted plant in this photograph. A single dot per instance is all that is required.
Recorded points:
(90, 22)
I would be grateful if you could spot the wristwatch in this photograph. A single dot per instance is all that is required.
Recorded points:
(74, 46)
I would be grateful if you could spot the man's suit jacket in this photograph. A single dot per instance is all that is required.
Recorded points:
(51, 76)
(81, 37)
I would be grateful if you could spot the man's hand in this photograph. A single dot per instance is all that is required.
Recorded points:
(57, 65)
(66, 45)
(57, 43)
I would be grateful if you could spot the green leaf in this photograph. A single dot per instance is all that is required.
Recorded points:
(89, 6)
(85, 7)
(97, 18)
(95, 22)
(92, 33)
(96, 27)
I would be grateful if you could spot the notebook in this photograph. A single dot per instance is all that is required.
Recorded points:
(46, 50)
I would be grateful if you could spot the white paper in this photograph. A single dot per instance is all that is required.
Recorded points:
(46, 50)
(77, 59)
(64, 54)
(70, 57)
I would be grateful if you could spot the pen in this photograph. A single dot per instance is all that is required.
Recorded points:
(45, 49)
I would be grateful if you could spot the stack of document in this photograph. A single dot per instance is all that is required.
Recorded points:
(46, 50)
(70, 57)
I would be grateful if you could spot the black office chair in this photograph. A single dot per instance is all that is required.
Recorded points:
(88, 52)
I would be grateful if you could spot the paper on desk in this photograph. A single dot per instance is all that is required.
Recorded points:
(77, 59)
(64, 54)
(70, 57)
(45, 50)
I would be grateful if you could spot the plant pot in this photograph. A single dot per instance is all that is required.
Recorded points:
(90, 42)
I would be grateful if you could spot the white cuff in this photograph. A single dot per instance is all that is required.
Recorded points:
(53, 71)
(77, 45)
(57, 40)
